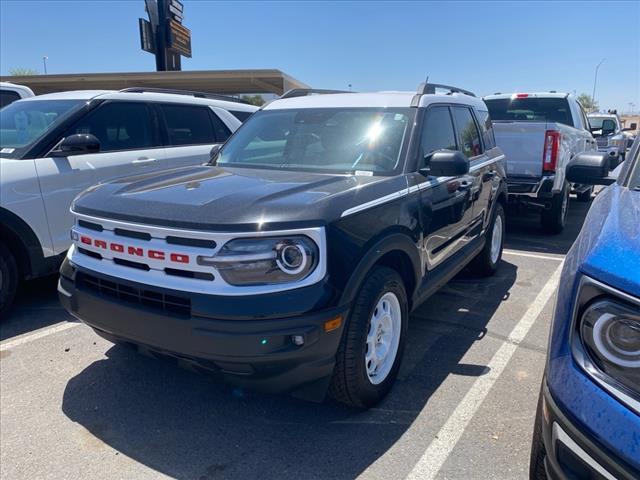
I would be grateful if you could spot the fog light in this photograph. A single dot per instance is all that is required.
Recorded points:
(297, 340)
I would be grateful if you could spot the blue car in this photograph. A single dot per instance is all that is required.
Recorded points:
(588, 420)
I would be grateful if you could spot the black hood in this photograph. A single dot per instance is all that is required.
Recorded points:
(214, 198)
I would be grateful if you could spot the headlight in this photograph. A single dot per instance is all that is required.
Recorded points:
(610, 332)
(265, 261)
(617, 142)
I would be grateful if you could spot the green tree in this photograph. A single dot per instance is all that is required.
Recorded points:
(20, 72)
(256, 100)
(588, 103)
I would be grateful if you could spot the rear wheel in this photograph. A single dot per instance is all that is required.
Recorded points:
(486, 263)
(585, 196)
(8, 279)
(372, 344)
(555, 219)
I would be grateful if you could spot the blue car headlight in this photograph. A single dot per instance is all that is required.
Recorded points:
(610, 333)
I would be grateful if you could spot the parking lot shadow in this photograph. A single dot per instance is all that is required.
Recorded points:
(36, 306)
(189, 426)
(525, 233)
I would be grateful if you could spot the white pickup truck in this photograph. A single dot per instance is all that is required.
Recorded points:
(539, 133)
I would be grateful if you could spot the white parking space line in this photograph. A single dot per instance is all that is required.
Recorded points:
(517, 253)
(43, 332)
(446, 439)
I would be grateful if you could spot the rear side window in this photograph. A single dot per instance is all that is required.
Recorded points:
(119, 126)
(468, 135)
(437, 131)
(188, 125)
(242, 116)
(531, 109)
(486, 128)
(7, 97)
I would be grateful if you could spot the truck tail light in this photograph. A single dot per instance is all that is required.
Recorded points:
(550, 152)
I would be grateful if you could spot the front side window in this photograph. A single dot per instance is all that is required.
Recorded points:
(437, 131)
(22, 123)
(188, 125)
(530, 109)
(468, 136)
(119, 126)
(324, 139)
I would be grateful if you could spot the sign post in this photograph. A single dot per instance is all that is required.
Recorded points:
(164, 35)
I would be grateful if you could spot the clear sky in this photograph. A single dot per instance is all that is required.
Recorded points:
(482, 46)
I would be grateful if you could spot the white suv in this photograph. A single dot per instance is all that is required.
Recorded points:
(52, 147)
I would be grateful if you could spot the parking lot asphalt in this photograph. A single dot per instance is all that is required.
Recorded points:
(74, 406)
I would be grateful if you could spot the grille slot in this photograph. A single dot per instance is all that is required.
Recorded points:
(191, 242)
(189, 274)
(129, 263)
(132, 234)
(90, 225)
(89, 253)
(149, 298)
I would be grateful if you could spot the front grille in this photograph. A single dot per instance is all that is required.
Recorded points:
(602, 142)
(140, 296)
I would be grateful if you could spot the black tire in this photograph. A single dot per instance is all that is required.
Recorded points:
(536, 462)
(483, 265)
(555, 219)
(585, 196)
(8, 280)
(350, 383)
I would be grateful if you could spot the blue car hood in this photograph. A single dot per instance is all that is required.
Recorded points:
(608, 247)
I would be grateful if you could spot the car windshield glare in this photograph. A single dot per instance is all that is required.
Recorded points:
(341, 140)
(22, 123)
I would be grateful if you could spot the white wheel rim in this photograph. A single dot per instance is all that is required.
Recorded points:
(383, 338)
(496, 239)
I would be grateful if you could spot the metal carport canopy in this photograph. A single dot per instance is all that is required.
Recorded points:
(229, 82)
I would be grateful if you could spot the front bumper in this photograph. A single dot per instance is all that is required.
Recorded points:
(256, 352)
(571, 453)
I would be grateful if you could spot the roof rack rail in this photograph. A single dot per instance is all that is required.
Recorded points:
(303, 92)
(430, 88)
(211, 96)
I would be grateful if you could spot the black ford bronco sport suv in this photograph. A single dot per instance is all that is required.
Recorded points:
(291, 261)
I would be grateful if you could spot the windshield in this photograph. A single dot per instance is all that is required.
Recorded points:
(323, 139)
(532, 109)
(597, 122)
(22, 123)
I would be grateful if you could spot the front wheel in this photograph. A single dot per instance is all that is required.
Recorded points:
(372, 345)
(486, 263)
(554, 219)
(8, 279)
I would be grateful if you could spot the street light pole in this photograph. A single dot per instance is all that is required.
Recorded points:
(44, 62)
(595, 79)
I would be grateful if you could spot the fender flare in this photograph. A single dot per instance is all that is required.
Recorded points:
(394, 242)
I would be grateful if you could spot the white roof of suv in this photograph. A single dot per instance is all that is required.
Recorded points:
(147, 97)
(373, 99)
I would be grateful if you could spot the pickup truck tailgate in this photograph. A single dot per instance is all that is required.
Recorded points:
(522, 143)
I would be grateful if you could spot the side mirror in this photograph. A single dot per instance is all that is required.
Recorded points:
(589, 169)
(633, 126)
(78, 144)
(446, 163)
(213, 154)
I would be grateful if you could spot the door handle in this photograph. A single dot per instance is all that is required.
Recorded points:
(144, 161)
